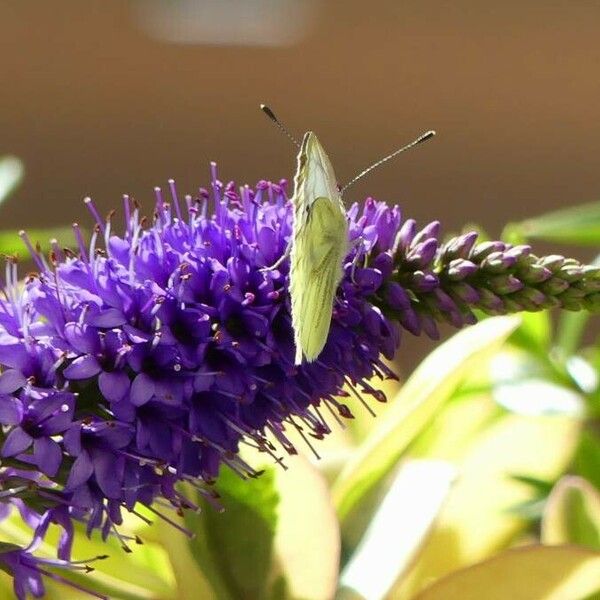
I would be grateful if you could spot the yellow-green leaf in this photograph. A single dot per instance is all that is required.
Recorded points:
(573, 225)
(234, 548)
(425, 391)
(572, 514)
(529, 573)
(401, 522)
(477, 520)
(307, 539)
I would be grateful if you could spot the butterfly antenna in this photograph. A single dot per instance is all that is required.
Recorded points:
(422, 138)
(279, 124)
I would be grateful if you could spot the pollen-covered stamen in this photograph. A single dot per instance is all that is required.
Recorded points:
(286, 444)
(173, 190)
(127, 215)
(252, 438)
(233, 461)
(108, 228)
(92, 251)
(183, 502)
(80, 242)
(32, 251)
(11, 291)
(215, 184)
(300, 431)
(342, 409)
(139, 515)
(74, 565)
(192, 210)
(377, 394)
(95, 214)
(72, 584)
(357, 395)
(122, 538)
(162, 208)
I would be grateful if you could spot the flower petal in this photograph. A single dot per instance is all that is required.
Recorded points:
(48, 455)
(142, 389)
(82, 337)
(114, 385)
(14, 355)
(81, 471)
(11, 380)
(83, 367)
(11, 410)
(110, 317)
(17, 441)
(108, 469)
(72, 439)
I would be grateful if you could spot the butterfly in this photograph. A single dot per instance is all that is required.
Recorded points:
(319, 242)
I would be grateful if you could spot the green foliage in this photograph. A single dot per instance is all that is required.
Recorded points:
(422, 395)
(237, 543)
(578, 225)
(587, 459)
(572, 514)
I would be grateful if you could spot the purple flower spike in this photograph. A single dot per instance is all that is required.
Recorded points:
(138, 361)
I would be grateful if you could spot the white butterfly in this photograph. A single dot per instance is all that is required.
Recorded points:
(319, 241)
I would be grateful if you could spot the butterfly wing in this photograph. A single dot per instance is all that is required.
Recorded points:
(317, 255)
(319, 245)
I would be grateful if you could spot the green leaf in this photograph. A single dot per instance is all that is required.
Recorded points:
(7, 547)
(532, 508)
(234, 548)
(527, 573)
(587, 459)
(576, 225)
(475, 521)
(432, 383)
(191, 582)
(571, 327)
(530, 384)
(570, 330)
(541, 486)
(402, 522)
(11, 173)
(307, 542)
(534, 332)
(572, 514)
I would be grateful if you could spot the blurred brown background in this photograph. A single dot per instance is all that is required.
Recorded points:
(104, 97)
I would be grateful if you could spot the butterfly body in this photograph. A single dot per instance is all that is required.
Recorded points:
(319, 246)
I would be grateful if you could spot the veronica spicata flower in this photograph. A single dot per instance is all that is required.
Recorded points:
(144, 358)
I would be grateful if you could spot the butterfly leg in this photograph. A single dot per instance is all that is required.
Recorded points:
(281, 259)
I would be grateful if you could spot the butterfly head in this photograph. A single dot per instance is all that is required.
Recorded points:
(315, 168)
